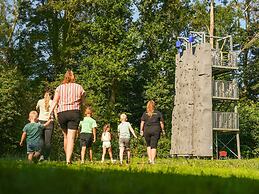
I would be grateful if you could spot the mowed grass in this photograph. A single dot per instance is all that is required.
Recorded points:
(166, 176)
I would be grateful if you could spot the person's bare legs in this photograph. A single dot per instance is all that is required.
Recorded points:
(65, 140)
(128, 152)
(90, 154)
(153, 155)
(149, 153)
(36, 155)
(30, 156)
(83, 154)
(104, 152)
(110, 153)
(121, 154)
(71, 134)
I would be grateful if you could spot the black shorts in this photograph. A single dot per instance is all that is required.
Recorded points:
(86, 139)
(124, 143)
(152, 135)
(69, 119)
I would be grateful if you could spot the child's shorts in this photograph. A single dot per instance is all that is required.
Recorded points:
(124, 143)
(33, 147)
(106, 144)
(86, 139)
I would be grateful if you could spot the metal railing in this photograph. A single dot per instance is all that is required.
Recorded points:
(225, 89)
(224, 59)
(225, 121)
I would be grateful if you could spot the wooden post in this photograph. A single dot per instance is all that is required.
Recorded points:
(211, 23)
(238, 146)
(238, 140)
(216, 145)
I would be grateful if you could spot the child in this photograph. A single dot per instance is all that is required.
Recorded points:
(32, 132)
(87, 134)
(106, 139)
(124, 130)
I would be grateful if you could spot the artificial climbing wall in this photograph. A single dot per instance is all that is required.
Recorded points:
(192, 113)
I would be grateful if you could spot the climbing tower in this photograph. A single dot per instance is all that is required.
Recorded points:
(198, 118)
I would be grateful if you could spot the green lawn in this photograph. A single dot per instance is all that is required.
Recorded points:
(166, 176)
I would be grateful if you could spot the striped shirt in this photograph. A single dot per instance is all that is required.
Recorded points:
(70, 96)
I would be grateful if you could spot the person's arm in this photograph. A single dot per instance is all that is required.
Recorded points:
(83, 101)
(47, 123)
(37, 106)
(54, 103)
(102, 137)
(132, 131)
(110, 136)
(94, 133)
(23, 138)
(142, 127)
(162, 127)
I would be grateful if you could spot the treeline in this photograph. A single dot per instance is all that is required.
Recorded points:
(123, 54)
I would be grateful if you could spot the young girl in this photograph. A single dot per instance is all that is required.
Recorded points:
(106, 139)
(43, 107)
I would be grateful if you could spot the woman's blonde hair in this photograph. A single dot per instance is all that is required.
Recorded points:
(150, 107)
(105, 127)
(88, 110)
(46, 101)
(69, 77)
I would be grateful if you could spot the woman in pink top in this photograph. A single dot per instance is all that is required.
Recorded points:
(68, 97)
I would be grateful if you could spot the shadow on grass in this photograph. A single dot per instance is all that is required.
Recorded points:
(22, 178)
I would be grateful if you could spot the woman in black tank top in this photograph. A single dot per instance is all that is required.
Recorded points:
(152, 124)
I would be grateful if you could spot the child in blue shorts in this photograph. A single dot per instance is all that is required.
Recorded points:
(32, 133)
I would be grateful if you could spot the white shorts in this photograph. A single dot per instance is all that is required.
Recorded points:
(106, 144)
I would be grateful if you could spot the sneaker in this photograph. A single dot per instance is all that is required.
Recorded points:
(128, 161)
(41, 158)
(82, 161)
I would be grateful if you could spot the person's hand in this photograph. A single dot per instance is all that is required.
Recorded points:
(21, 143)
(163, 132)
(94, 140)
(141, 132)
(49, 117)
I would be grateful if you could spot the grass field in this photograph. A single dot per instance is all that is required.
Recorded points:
(166, 176)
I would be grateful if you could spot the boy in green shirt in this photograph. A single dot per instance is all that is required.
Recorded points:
(32, 133)
(87, 134)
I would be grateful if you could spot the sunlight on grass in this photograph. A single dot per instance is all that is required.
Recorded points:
(167, 175)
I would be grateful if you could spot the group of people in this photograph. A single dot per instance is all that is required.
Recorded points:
(66, 106)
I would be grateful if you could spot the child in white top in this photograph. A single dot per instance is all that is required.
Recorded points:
(124, 130)
(106, 139)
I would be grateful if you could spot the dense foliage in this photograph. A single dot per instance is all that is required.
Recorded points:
(123, 54)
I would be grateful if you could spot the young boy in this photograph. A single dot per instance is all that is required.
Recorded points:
(87, 134)
(32, 133)
(124, 129)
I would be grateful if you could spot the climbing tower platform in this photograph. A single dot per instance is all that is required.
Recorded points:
(205, 103)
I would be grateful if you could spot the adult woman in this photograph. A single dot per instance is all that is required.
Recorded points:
(68, 96)
(152, 124)
(43, 106)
